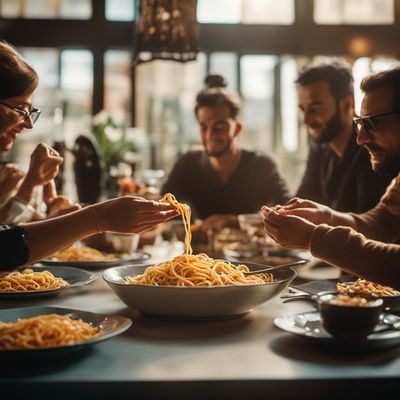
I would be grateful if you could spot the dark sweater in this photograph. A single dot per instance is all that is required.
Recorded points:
(255, 182)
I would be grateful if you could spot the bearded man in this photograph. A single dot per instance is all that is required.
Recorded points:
(223, 180)
(338, 172)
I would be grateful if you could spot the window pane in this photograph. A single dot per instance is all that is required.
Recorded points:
(219, 11)
(117, 85)
(289, 105)
(225, 64)
(76, 9)
(268, 12)
(11, 8)
(165, 106)
(257, 84)
(373, 12)
(77, 89)
(120, 10)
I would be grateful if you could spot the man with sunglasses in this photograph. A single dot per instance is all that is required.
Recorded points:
(338, 172)
(357, 243)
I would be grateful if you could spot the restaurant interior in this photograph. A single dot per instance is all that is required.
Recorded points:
(258, 312)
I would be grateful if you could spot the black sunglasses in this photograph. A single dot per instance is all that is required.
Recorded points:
(370, 122)
(33, 114)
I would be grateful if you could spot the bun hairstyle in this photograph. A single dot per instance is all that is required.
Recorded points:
(17, 77)
(215, 95)
(215, 81)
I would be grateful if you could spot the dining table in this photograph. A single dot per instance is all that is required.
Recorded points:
(245, 357)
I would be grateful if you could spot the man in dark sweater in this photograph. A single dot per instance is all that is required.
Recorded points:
(338, 172)
(223, 180)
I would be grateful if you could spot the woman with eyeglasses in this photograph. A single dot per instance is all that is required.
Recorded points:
(28, 243)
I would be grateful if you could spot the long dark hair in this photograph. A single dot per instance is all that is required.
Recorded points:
(17, 77)
(215, 95)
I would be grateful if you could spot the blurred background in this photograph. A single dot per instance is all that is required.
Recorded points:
(82, 50)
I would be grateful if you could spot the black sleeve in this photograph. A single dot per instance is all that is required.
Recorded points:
(14, 247)
(369, 189)
(310, 186)
(277, 186)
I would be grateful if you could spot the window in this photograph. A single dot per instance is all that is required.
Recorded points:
(225, 64)
(257, 88)
(67, 9)
(363, 12)
(117, 82)
(120, 10)
(246, 11)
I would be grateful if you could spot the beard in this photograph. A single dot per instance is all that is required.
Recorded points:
(220, 152)
(389, 166)
(332, 128)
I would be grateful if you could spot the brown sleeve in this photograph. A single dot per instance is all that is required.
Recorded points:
(354, 253)
(378, 224)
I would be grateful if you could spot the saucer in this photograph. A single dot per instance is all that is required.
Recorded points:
(308, 326)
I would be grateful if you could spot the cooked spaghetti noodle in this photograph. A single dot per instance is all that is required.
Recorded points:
(185, 211)
(195, 269)
(362, 286)
(44, 331)
(73, 253)
(28, 280)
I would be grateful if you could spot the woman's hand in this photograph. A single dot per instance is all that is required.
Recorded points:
(287, 230)
(10, 179)
(44, 165)
(129, 214)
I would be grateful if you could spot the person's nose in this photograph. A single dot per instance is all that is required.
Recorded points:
(28, 124)
(363, 136)
(307, 119)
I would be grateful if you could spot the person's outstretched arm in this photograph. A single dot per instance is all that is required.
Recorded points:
(126, 214)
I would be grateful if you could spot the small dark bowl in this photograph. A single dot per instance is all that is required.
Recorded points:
(349, 321)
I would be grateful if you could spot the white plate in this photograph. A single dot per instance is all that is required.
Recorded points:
(195, 302)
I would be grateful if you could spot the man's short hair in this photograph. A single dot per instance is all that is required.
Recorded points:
(388, 78)
(215, 95)
(336, 73)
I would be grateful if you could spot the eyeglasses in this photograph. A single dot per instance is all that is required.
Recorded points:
(371, 122)
(33, 114)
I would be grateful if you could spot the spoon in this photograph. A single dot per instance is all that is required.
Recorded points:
(271, 268)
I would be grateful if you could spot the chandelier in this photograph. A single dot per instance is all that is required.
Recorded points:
(166, 30)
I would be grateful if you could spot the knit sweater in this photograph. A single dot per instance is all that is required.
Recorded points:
(359, 252)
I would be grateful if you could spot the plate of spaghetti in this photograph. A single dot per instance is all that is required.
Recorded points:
(363, 287)
(195, 285)
(35, 281)
(88, 257)
(54, 330)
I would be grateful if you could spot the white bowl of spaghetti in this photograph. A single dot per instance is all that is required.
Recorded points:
(208, 301)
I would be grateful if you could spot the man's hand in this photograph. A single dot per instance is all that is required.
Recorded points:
(287, 230)
(310, 210)
(219, 221)
(391, 198)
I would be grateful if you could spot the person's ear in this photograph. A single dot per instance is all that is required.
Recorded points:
(238, 128)
(346, 105)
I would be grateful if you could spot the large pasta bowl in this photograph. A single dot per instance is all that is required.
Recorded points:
(195, 302)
